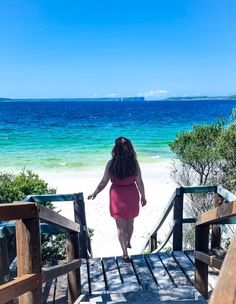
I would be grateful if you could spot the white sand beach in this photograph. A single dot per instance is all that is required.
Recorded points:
(159, 188)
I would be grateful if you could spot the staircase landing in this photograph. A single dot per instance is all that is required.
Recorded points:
(155, 278)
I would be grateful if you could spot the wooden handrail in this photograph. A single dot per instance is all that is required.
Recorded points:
(225, 290)
(226, 194)
(176, 204)
(17, 211)
(48, 198)
(19, 286)
(209, 259)
(58, 270)
(79, 212)
(28, 285)
(168, 236)
(224, 214)
(49, 216)
(162, 219)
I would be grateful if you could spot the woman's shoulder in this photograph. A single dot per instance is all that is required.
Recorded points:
(107, 170)
(109, 163)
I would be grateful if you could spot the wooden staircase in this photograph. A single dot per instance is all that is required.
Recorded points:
(159, 277)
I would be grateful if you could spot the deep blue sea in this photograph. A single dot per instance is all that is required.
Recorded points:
(68, 135)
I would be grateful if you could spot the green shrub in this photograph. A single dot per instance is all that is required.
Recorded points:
(15, 188)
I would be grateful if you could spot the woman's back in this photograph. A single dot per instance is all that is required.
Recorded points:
(123, 182)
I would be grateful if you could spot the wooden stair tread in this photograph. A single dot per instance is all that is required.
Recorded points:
(154, 278)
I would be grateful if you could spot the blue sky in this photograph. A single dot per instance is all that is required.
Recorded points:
(96, 48)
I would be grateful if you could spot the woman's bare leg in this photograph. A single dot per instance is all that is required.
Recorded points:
(122, 235)
(130, 229)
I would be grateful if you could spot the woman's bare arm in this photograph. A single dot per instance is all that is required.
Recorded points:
(140, 185)
(104, 181)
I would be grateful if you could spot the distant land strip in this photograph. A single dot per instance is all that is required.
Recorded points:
(74, 99)
(118, 99)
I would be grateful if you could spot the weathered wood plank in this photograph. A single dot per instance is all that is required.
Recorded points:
(4, 261)
(225, 213)
(178, 216)
(226, 194)
(97, 281)
(19, 286)
(185, 263)
(81, 299)
(225, 290)
(28, 244)
(211, 260)
(73, 276)
(80, 218)
(114, 283)
(212, 275)
(50, 216)
(128, 276)
(58, 270)
(45, 228)
(48, 198)
(201, 269)
(144, 274)
(187, 295)
(159, 272)
(175, 272)
(190, 254)
(17, 210)
(199, 189)
(84, 277)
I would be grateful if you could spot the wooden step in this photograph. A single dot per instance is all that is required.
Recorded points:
(146, 272)
(175, 294)
(155, 278)
(146, 302)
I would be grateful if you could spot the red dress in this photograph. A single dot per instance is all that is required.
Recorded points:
(124, 198)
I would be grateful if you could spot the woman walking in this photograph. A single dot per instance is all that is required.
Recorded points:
(124, 172)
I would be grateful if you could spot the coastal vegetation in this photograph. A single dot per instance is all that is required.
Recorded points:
(16, 187)
(206, 155)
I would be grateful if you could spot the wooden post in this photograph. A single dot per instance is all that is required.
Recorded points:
(28, 244)
(72, 251)
(80, 217)
(178, 217)
(216, 231)
(153, 242)
(201, 268)
(4, 261)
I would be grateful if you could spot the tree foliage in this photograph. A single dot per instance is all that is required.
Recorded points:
(198, 154)
(16, 187)
(206, 155)
(227, 148)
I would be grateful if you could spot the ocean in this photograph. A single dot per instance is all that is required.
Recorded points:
(69, 135)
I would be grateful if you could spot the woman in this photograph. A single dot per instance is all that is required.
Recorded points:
(124, 172)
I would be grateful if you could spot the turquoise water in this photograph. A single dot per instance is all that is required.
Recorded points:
(68, 135)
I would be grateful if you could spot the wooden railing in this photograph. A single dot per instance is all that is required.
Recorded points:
(219, 217)
(176, 205)
(30, 274)
(79, 216)
(225, 290)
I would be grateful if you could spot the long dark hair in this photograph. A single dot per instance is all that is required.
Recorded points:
(123, 163)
